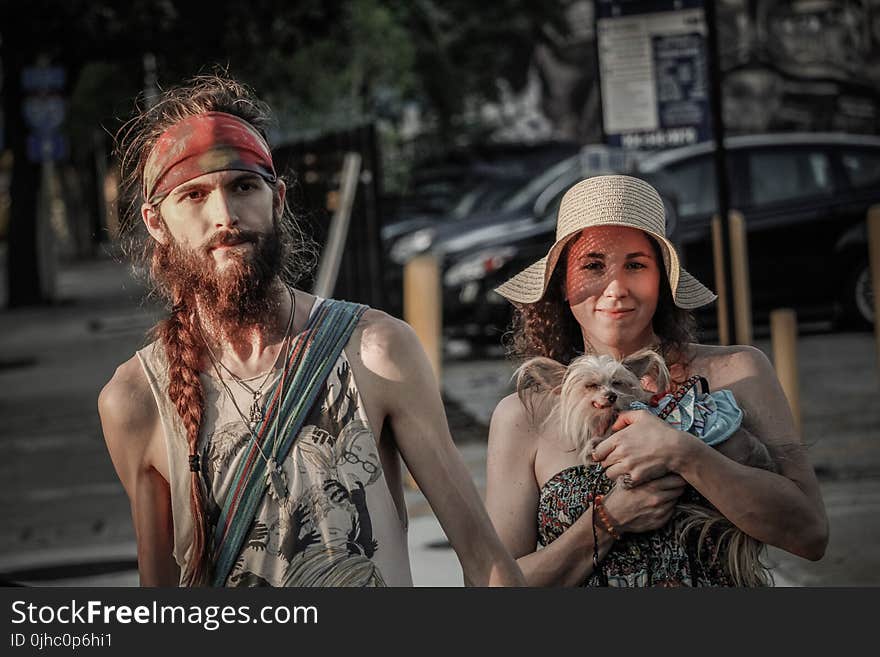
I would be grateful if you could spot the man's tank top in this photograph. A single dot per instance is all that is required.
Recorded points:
(338, 524)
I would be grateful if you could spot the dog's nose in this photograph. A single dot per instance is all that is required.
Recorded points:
(611, 397)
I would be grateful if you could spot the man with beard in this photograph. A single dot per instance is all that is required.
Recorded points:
(226, 431)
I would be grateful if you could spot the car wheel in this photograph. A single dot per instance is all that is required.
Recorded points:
(859, 301)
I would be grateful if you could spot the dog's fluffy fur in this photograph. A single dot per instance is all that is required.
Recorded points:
(586, 398)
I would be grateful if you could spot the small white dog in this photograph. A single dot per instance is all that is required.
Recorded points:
(590, 393)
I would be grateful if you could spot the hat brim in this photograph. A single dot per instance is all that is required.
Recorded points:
(529, 285)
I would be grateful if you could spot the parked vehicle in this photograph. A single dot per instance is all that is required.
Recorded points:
(488, 177)
(804, 198)
(492, 189)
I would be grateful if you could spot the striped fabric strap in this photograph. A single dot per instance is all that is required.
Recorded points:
(682, 390)
(312, 358)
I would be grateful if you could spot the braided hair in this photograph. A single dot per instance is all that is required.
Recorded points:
(179, 332)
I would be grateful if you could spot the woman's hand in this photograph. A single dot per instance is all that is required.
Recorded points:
(645, 507)
(643, 448)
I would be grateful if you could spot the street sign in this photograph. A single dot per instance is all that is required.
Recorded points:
(43, 78)
(43, 109)
(43, 113)
(653, 72)
(46, 147)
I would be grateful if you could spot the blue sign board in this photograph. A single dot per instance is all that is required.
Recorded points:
(44, 113)
(46, 147)
(43, 109)
(43, 78)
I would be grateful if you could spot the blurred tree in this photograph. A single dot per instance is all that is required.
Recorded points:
(464, 48)
(322, 64)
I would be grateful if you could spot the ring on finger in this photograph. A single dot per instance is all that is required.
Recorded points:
(626, 480)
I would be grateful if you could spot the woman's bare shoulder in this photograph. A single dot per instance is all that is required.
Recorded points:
(724, 366)
(514, 424)
(510, 412)
(748, 374)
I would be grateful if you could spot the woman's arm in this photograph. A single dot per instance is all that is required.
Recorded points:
(783, 509)
(512, 498)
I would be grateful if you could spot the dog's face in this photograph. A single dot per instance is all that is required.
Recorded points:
(594, 391)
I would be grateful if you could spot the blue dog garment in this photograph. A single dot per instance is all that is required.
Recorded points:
(711, 417)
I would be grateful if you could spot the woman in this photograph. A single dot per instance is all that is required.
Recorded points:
(612, 284)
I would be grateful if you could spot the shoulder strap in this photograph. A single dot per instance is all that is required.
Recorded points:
(682, 390)
(312, 358)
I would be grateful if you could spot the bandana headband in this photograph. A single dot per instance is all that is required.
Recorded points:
(200, 144)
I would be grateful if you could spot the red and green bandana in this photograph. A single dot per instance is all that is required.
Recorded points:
(200, 144)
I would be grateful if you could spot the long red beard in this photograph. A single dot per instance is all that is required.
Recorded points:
(237, 296)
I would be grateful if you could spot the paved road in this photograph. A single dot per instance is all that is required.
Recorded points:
(61, 504)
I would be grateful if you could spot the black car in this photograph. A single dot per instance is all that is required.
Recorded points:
(804, 198)
(477, 184)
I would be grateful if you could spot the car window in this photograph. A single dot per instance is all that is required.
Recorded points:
(692, 183)
(529, 192)
(788, 174)
(552, 208)
(862, 167)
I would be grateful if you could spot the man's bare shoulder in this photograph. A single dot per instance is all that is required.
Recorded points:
(126, 405)
(130, 420)
(386, 345)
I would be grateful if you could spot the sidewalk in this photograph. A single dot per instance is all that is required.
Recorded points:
(61, 503)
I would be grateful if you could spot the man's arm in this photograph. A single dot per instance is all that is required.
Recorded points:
(130, 421)
(410, 398)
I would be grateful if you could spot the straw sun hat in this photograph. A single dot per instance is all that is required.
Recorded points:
(609, 201)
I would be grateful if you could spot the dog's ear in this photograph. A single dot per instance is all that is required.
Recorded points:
(544, 374)
(648, 362)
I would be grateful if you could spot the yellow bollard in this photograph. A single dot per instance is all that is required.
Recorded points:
(423, 310)
(874, 259)
(739, 266)
(720, 282)
(783, 339)
(422, 305)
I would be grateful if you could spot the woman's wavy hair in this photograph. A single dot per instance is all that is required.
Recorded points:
(179, 332)
(548, 328)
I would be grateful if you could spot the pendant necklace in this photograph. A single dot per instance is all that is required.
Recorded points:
(274, 474)
(256, 411)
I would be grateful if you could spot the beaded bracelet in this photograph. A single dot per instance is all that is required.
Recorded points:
(598, 571)
(605, 518)
(597, 567)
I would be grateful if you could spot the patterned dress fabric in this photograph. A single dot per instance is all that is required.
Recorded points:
(654, 558)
